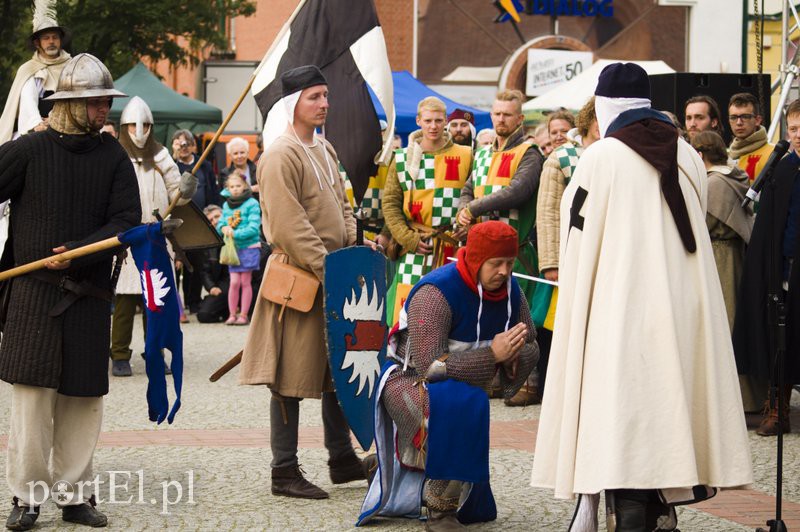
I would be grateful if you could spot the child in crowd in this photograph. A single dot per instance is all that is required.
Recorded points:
(241, 218)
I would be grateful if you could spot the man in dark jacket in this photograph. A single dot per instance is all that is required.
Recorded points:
(776, 233)
(71, 185)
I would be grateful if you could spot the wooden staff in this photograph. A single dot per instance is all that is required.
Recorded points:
(242, 96)
(103, 245)
(226, 367)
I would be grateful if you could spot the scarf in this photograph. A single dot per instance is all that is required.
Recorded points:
(748, 144)
(235, 203)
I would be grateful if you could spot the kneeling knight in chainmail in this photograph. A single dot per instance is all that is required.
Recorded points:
(460, 325)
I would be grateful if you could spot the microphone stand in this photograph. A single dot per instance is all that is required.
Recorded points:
(776, 317)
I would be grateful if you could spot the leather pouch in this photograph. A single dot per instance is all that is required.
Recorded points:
(289, 286)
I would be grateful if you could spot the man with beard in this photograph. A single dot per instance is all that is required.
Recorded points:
(421, 198)
(461, 126)
(70, 186)
(504, 182)
(702, 113)
(25, 111)
(159, 180)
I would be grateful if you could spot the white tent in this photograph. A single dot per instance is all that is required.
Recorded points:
(574, 93)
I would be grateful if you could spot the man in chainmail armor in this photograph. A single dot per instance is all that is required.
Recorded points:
(460, 325)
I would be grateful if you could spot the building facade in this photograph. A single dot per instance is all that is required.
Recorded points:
(468, 48)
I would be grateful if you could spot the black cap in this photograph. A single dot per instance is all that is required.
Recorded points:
(623, 80)
(300, 78)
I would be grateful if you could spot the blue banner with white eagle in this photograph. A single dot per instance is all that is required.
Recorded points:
(355, 300)
(149, 249)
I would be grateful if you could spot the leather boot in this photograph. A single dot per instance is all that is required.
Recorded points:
(22, 517)
(443, 521)
(527, 395)
(347, 469)
(290, 482)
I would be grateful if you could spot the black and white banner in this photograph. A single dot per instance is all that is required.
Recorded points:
(345, 40)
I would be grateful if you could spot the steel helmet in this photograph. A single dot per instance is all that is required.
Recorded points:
(136, 112)
(84, 76)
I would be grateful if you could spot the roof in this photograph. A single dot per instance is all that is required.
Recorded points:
(170, 109)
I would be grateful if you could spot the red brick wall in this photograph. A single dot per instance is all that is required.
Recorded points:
(397, 20)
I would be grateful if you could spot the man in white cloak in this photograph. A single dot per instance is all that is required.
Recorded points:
(642, 397)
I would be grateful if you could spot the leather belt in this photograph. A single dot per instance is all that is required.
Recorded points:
(74, 290)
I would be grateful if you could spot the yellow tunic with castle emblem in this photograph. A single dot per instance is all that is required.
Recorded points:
(430, 198)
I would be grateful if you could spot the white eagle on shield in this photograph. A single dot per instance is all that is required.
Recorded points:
(366, 342)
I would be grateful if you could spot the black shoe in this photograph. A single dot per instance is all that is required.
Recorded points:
(22, 517)
(84, 514)
(121, 368)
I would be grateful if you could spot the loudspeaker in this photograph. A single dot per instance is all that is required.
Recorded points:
(669, 92)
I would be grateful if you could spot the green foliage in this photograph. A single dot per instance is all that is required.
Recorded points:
(14, 31)
(120, 32)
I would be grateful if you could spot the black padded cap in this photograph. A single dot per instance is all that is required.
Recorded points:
(623, 80)
(300, 78)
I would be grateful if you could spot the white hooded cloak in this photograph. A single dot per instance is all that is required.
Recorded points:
(642, 390)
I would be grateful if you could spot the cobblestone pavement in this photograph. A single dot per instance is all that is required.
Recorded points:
(217, 452)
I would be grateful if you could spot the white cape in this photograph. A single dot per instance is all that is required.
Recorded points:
(642, 390)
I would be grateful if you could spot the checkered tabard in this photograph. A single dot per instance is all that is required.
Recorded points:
(371, 204)
(411, 268)
(481, 164)
(445, 206)
(567, 156)
(348, 186)
(426, 179)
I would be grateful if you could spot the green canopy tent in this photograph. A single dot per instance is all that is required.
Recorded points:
(171, 111)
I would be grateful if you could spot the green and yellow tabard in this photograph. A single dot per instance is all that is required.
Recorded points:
(430, 199)
(371, 203)
(492, 172)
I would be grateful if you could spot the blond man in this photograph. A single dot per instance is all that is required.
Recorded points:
(420, 201)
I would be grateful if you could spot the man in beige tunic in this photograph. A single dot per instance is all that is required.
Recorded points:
(306, 215)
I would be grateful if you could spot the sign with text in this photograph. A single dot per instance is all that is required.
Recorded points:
(548, 69)
(511, 9)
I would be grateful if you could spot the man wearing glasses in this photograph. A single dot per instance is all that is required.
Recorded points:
(750, 147)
